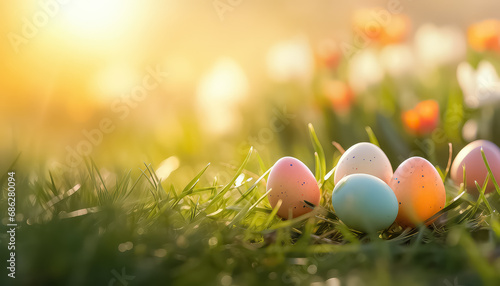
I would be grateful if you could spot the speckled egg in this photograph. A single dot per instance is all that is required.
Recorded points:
(364, 202)
(292, 183)
(364, 158)
(475, 169)
(419, 190)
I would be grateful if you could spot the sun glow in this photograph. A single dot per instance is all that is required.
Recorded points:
(91, 18)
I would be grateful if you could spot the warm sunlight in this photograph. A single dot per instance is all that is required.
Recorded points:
(97, 18)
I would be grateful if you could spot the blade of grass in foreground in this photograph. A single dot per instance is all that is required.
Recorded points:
(371, 135)
(189, 187)
(195, 180)
(244, 212)
(482, 190)
(455, 203)
(261, 162)
(490, 172)
(273, 214)
(253, 186)
(321, 171)
(448, 165)
(317, 167)
(226, 188)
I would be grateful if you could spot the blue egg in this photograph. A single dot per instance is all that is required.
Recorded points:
(365, 203)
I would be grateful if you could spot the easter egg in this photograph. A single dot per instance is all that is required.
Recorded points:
(475, 169)
(419, 190)
(364, 158)
(364, 202)
(293, 183)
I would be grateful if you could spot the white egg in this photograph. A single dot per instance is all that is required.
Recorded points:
(364, 158)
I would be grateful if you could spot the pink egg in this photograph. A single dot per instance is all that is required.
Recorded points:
(292, 183)
(419, 190)
(475, 169)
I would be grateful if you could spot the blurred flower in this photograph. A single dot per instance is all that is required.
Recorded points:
(470, 130)
(480, 87)
(328, 53)
(291, 60)
(485, 35)
(364, 70)
(219, 94)
(339, 94)
(437, 46)
(381, 26)
(422, 119)
(398, 60)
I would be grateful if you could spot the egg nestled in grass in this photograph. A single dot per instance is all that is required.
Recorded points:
(364, 202)
(293, 183)
(475, 168)
(419, 190)
(364, 158)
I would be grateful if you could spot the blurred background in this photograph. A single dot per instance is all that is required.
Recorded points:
(182, 83)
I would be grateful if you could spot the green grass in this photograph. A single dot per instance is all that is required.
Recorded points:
(83, 227)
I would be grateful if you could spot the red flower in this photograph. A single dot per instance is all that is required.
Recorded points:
(328, 53)
(422, 119)
(339, 94)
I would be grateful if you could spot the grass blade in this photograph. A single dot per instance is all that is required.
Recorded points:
(321, 154)
(371, 135)
(226, 188)
(489, 171)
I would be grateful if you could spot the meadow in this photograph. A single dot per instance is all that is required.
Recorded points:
(154, 172)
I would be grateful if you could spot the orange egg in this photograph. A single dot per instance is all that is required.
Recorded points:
(292, 183)
(419, 190)
(475, 169)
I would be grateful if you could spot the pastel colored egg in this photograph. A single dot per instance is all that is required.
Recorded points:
(364, 202)
(419, 190)
(475, 169)
(292, 183)
(364, 158)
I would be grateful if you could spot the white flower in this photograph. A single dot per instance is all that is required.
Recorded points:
(470, 130)
(398, 60)
(479, 87)
(437, 46)
(219, 94)
(365, 70)
(291, 60)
